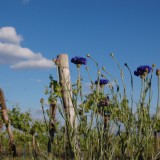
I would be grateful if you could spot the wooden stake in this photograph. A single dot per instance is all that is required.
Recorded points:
(64, 77)
(5, 119)
(65, 82)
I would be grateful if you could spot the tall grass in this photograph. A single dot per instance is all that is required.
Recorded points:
(109, 124)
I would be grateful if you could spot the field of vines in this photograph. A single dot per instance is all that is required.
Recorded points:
(106, 124)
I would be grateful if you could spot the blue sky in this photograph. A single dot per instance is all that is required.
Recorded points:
(32, 32)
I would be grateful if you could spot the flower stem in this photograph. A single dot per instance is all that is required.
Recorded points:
(158, 99)
(121, 74)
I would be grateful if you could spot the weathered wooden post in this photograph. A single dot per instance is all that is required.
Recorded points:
(5, 119)
(65, 82)
(53, 108)
(52, 119)
(66, 89)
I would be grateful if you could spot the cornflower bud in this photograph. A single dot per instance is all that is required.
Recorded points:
(88, 55)
(111, 54)
(87, 68)
(153, 65)
(158, 72)
(41, 100)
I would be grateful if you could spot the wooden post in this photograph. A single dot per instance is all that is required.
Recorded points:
(64, 77)
(53, 108)
(156, 142)
(52, 120)
(66, 89)
(5, 119)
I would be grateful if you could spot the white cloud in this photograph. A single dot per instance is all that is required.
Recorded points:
(9, 35)
(18, 57)
(42, 63)
(16, 52)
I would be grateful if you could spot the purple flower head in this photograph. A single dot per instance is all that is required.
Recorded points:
(102, 81)
(79, 60)
(141, 70)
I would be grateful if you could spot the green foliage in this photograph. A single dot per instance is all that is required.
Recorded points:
(20, 121)
(105, 125)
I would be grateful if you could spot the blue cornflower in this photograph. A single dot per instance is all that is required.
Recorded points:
(79, 60)
(102, 81)
(143, 70)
